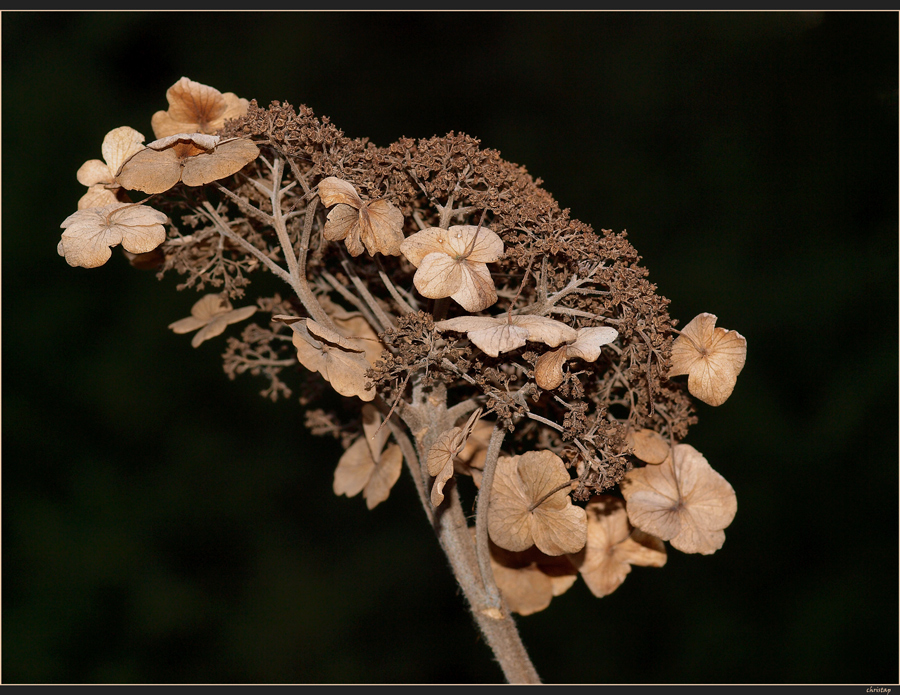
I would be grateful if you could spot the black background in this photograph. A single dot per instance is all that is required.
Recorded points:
(163, 524)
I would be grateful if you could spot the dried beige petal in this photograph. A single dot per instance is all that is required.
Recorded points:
(364, 468)
(339, 360)
(381, 227)
(530, 505)
(376, 225)
(649, 446)
(211, 314)
(386, 473)
(452, 263)
(548, 373)
(334, 191)
(443, 452)
(470, 461)
(90, 233)
(589, 342)
(528, 580)
(94, 172)
(496, 334)
(195, 107)
(98, 196)
(194, 158)
(711, 357)
(118, 145)
(611, 549)
(354, 469)
(682, 500)
(229, 157)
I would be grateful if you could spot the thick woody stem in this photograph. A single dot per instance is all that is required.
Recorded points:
(427, 417)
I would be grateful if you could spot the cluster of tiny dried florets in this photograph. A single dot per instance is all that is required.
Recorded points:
(433, 264)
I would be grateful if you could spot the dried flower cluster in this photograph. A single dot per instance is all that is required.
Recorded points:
(473, 326)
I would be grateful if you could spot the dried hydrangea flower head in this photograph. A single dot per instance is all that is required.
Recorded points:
(711, 357)
(376, 225)
(211, 315)
(90, 233)
(196, 108)
(453, 263)
(580, 468)
(193, 158)
(100, 177)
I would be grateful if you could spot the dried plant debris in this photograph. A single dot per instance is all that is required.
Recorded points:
(461, 289)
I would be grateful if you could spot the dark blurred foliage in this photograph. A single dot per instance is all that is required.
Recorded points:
(163, 524)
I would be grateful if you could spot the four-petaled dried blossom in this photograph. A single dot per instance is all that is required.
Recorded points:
(91, 232)
(451, 263)
(496, 334)
(196, 108)
(377, 224)
(711, 357)
(648, 445)
(548, 373)
(612, 546)
(529, 580)
(211, 314)
(443, 452)
(340, 360)
(530, 505)
(100, 177)
(193, 158)
(682, 500)
(367, 466)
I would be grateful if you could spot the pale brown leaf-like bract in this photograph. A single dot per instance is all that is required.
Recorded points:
(196, 108)
(339, 360)
(90, 233)
(366, 466)
(530, 505)
(194, 158)
(452, 263)
(648, 445)
(376, 226)
(100, 176)
(612, 547)
(529, 580)
(442, 454)
(548, 373)
(711, 357)
(503, 333)
(682, 500)
(211, 314)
